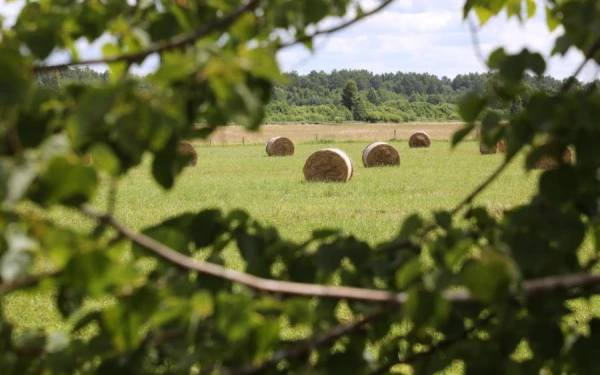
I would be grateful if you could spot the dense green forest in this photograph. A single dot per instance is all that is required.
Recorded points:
(317, 97)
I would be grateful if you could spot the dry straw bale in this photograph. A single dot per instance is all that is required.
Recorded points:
(280, 146)
(380, 154)
(186, 148)
(547, 162)
(419, 139)
(328, 164)
(499, 148)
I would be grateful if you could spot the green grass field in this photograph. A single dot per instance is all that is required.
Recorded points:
(272, 189)
(371, 206)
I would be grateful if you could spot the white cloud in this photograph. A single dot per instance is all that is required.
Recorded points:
(429, 36)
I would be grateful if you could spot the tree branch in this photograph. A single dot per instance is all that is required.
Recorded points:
(532, 287)
(305, 348)
(336, 28)
(176, 42)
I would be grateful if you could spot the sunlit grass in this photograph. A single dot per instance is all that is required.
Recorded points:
(272, 190)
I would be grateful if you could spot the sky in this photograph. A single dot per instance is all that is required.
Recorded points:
(423, 36)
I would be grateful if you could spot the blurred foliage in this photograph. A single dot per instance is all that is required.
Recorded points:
(465, 288)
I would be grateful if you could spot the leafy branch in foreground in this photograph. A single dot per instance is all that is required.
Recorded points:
(459, 285)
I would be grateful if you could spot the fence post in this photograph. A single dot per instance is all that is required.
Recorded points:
(243, 141)
(316, 138)
(394, 134)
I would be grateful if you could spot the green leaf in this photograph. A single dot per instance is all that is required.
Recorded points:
(408, 273)
(551, 19)
(233, 315)
(470, 106)
(410, 226)
(105, 159)
(443, 219)
(455, 256)
(537, 64)
(426, 308)
(488, 279)
(86, 320)
(531, 8)
(89, 121)
(483, 14)
(202, 305)
(460, 134)
(546, 339)
(206, 226)
(14, 80)
(329, 257)
(559, 185)
(118, 68)
(174, 233)
(66, 182)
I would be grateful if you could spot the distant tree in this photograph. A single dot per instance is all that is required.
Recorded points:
(349, 94)
(359, 110)
(373, 96)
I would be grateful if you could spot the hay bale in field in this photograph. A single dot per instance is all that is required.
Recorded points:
(380, 154)
(499, 148)
(328, 164)
(419, 139)
(547, 162)
(280, 146)
(186, 148)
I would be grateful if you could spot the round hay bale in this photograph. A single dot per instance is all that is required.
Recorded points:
(328, 164)
(380, 154)
(419, 139)
(280, 146)
(499, 148)
(186, 148)
(547, 162)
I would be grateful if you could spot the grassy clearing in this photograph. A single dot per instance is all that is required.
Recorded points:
(272, 189)
(371, 206)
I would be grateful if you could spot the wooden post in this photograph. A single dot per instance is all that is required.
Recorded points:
(316, 138)
(394, 134)
(243, 141)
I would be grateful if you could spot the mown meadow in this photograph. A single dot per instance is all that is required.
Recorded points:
(371, 206)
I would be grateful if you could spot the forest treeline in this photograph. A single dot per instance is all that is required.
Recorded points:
(317, 97)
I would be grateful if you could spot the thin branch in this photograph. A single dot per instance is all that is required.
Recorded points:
(531, 287)
(475, 41)
(265, 285)
(305, 348)
(337, 28)
(28, 281)
(491, 178)
(173, 43)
